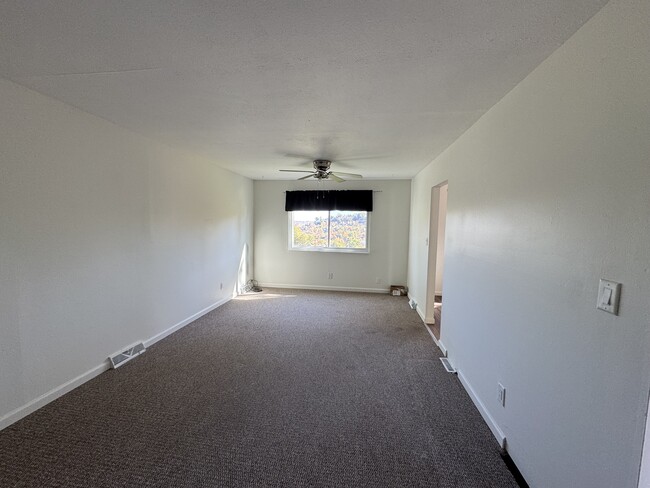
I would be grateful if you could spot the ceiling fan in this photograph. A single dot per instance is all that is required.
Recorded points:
(322, 172)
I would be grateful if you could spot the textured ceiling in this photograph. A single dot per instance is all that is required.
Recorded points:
(384, 86)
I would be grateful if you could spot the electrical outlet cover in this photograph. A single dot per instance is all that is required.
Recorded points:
(501, 394)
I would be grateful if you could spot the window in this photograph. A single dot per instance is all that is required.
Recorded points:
(328, 230)
(328, 220)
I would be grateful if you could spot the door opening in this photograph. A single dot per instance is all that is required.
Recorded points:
(436, 261)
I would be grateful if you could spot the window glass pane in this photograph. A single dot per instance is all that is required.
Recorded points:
(309, 228)
(348, 229)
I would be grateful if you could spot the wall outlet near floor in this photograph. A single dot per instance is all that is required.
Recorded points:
(378, 281)
(221, 286)
(330, 276)
(501, 394)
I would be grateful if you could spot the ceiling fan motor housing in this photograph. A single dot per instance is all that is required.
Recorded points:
(322, 164)
(322, 172)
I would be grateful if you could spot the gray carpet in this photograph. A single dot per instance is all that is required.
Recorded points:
(287, 388)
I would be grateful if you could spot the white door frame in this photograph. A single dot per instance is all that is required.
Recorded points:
(434, 219)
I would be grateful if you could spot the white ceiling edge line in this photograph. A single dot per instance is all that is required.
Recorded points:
(154, 140)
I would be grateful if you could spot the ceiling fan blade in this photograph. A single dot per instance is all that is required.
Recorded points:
(335, 178)
(361, 158)
(295, 171)
(305, 177)
(350, 175)
(298, 156)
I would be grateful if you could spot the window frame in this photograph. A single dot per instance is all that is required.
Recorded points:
(344, 250)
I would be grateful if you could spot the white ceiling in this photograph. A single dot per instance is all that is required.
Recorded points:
(248, 82)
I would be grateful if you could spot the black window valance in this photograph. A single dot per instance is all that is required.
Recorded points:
(329, 200)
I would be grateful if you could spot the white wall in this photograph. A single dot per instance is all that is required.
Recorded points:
(388, 240)
(549, 192)
(106, 238)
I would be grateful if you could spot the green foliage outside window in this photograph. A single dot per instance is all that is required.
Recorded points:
(334, 230)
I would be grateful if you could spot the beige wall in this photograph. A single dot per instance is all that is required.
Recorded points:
(548, 193)
(388, 240)
(106, 238)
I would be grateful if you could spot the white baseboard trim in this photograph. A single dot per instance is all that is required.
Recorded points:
(426, 326)
(160, 336)
(418, 309)
(41, 401)
(325, 288)
(33, 405)
(420, 313)
(496, 431)
(438, 343)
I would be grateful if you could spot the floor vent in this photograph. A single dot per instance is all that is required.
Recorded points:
(448, 367)
(125, 356)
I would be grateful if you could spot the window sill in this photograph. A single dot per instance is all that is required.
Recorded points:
(330, 249)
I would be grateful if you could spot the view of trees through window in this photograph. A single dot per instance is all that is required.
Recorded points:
(335, 229)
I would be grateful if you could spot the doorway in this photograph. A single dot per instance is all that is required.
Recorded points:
(436, 259)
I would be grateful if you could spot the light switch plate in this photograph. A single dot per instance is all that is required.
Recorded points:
(609, 293)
